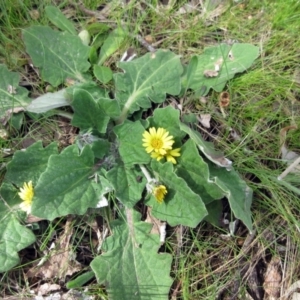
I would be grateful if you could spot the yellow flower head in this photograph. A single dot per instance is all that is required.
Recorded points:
(170, 154)
(158, 140)
(26, 194)
(159, 193)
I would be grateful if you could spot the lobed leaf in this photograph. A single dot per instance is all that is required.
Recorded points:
(130, 135)
(231, 59)
(14, 237)
(130, 267)
(60, 55)
(127, 185)
(148, 78)
(168, 118)
(181, 205)
(88, 112)
(27, 165)
(66, 187)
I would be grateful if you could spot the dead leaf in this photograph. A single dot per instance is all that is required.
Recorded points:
(292, 158)
(46, 288)
(293, 290)
(9, 112)
(205, 120)
(285, 153)
(60, 262)
(224, 99)
(272, 278)
(159, 227)
(218, 64)
(210, 73)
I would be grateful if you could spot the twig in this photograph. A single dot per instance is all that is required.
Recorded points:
(289, 168)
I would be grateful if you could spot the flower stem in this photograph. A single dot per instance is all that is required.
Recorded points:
(146, 173)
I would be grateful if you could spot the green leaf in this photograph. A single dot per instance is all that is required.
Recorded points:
(127, 185)
(149, 77)
(90, 87)
(13, 238)
(59, 19)
(110, 106)
(194, 170)
(131, 268)
(80, 280)
(16, 120)
(130, 135)
(48, 101)
(103, 74)
(60, 55)
(237, 192)
(207, 148)
(236, 59)
(181, 205)
(66, 187)
(29, 164)
(168, 118)
(11, 95)
(112, 44)
(215, 210)
(88, 112)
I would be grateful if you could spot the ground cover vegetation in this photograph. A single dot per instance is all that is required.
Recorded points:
(149, 149)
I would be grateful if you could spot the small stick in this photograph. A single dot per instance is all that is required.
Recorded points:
(289, 168)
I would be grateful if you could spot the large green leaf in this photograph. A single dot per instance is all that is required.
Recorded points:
(13, 238)
(128, 183)
(236, 59)
(195, 172)
(60, 55)
(29, 164)
(181, 205)
(66, 187)
(168, 118)
(130, 135)
(148, 78)
(130, 267)
(88, 113)
(11, 94)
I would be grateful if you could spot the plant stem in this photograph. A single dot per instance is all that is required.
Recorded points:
(146, 173)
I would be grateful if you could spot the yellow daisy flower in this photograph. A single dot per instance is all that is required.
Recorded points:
(159, 193)
(158, 140)
(26, 194)
(171, 154)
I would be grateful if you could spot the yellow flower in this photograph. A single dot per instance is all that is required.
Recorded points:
(26, 194)
(170, 154)
(159, 193)
(158, 140)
